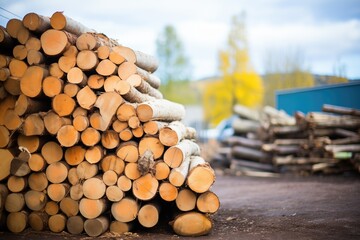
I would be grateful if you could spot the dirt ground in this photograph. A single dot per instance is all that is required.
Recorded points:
(287, 207)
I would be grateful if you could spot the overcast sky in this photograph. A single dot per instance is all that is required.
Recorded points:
(327, 32)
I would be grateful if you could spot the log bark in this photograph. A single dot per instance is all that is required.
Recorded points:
(126, 210)
(177, 176)
(142, 86)
(243, 126)
(192, 224)
(153, 80)
(142, 60)
(249, 153)
(201, 176)
(175, 155)
(246, 142)
(36, 22)
(160, 109)
(340, 110)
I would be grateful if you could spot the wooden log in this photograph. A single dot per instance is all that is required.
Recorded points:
(168, 192)
(76, 192)
(90, 41)
(162, 170)
(73, 177)
(106, 68)
(134, 122)
(142, 60)
(87, 60)
(69, 207)
(57, 223)
(256, 166)
(186, 200)
(115, 57)
(52, 152)
(110, 139)
(17, 68)
(125, 210)
(94, 188)
(173, 133)
(246, 142)
(153, 80)
(138, 132)
(108, 104)
(348, 140)
(128, 151)
(37, 162)
(90, 137)
(4, 137)
(340, 110)
(71, 89)
(249, 153)
(4, 74)
(20, 52)
(112, 162)
(57, 172)
(126, 134)
(6, 42)
(291, 160)
(92, 208)
(153, 127)
(35, 200)
(142, 86)
(281, 150)
(201, 175)
(124, 183)
(322, 120)
(131, 94)
(149, 215)
(4, 61)
(12, 121)
(74, 155)
(38, 181)
(63, 105)
(81, 123)
(118, 227)
(16, 184)
(175, 155)
(96, 81)
(31, 81)
(343, 148)
(208, 202)
(68, 136)
(51, 208)
(96, 227)
(7, 104)
(13, 26)
(38, 221)
(55, 42)
(53, 122)
(243, 126)
(16, 222)
(6, 158)
(19, 165)
(192, 224)
(36, 22)
(33, 125)
(145, 187)
(126, 111)
(26, 105)
(15, 202)
(33, 43)
(178, 175)
(114, 193)
(66, 63)
(247, 113)
(75, 75)
(131, 171)
(57, 191)
(60, 21)
(86, 98)
(345, 133)
(160, 109)
(153, 144)
(75, 224)
(12, 86)
(94, 154)
(86, 170)
(35, 57)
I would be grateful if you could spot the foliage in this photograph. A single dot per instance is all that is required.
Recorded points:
(174, 65)
(182, 92)
(239, 83)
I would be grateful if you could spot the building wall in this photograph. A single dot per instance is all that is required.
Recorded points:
(312, 99)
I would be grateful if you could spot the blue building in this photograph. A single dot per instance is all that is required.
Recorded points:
(312, 99)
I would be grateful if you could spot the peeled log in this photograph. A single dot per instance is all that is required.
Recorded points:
(201, 176)
(160, 109)
(191, 224)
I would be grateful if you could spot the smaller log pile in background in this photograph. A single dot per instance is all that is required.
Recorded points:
(273, 142)
(87, 142)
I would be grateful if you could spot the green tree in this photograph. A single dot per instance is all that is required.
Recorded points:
(239, 83)
(174, 65)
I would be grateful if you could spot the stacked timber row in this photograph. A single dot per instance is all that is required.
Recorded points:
(272, 141)
(87, 142)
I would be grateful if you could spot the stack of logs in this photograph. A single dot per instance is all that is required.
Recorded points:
(87, 142)
(273, 142)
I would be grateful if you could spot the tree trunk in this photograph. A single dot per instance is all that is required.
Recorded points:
(192, 224)
(36, 22)
(178, 175)
(61, 22)
(142, 60)
(142, 86)
(153, 80)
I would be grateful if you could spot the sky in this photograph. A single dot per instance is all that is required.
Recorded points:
(325, 32)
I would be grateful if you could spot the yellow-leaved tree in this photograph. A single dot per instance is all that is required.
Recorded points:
(238, 83)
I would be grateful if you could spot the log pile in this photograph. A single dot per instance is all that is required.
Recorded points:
(88, 144)
(272, 141)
